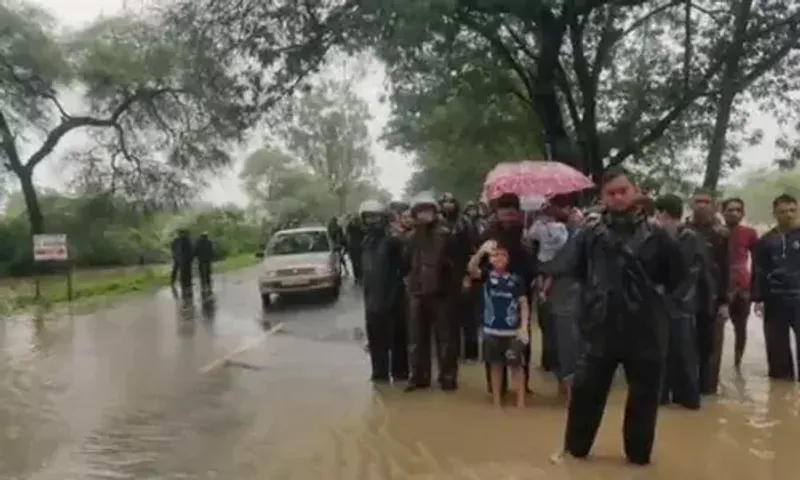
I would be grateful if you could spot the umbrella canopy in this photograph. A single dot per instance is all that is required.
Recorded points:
(533, 181)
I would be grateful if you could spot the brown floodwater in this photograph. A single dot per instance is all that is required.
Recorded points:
(127, 393)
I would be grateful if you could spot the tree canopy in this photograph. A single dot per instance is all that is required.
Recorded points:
(163, 94)
(318, 162)
(656, 84)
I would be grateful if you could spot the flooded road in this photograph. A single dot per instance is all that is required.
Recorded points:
(151, 389)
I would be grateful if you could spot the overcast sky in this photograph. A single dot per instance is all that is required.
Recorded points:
(395, 169)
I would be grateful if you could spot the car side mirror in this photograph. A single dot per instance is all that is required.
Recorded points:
(259, 254)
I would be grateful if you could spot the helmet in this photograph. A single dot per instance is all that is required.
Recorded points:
(423, 199)
(398, 205)
(371, 206)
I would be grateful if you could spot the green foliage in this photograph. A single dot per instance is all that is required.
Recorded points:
(327, 132)
(596, 75)
(284, 189)
(90, 287)
(759, 188)
(107, 231)
(164, 94)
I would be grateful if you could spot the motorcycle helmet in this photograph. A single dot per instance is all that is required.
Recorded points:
(371, 206)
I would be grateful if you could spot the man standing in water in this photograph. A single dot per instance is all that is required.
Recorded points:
(204, 252)
(462, 242)
(185, 257)
(711, 321)
(742, 239)
(776, 283)
(561, 298)
(355, 235)
(429, 284)
(384, 298)
(682, 382)
(624, 263)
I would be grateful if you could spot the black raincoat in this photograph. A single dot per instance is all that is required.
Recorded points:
(383, 264)
(628, 268)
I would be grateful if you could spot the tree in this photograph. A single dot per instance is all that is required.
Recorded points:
(757, 66)
(283, 188)
(463, 128)
(759, 188)
(596, 74)
(147, 95)
(327, 131)
(164, 94)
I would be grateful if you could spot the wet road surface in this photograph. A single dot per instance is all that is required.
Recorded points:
(151, 389)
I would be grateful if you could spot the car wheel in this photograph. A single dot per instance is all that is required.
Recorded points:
(333, 294)
(266, 300)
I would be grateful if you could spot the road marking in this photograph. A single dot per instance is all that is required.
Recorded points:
(221, 361)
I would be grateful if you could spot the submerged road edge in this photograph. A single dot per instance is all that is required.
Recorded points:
(221, 361)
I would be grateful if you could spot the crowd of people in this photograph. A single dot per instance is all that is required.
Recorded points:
(630, 282)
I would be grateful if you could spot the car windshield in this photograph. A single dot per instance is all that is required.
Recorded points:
(298, 242)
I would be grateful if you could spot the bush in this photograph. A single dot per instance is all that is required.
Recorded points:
(103, 232)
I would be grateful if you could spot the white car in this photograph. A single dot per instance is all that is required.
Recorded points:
(300, 260)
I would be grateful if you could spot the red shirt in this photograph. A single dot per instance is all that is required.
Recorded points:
(741, 241)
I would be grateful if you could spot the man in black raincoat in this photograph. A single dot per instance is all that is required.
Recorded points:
(175, 250)
(355, 235)
(185, 257)
(384, 296)
(776, 288)
(463, 241)
(682, 380)
(626, 266)
(204, 251)
(710, 322)
(430, 285)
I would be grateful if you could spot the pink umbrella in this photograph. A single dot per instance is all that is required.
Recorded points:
(534, 180)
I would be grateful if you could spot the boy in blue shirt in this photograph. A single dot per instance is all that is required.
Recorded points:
(505, 319)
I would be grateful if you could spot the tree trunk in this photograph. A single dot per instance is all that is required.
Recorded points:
(716, 148)
(730, 75)
(35, 216)
(547, 106)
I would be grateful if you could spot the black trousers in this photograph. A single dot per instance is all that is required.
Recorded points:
(429, 322)
(682, 371)
(173, 276)
(589, 396)
(204, 270)
(710, 337)
(185, 276)
(549, 360)
(781, 317)
(388, 340)
(468, 312)
(355, 260)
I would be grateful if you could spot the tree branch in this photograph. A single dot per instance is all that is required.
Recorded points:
(649, 16)
(500, 48)
(659, 127)
(71, 123)
(768, 63)
(569, 98)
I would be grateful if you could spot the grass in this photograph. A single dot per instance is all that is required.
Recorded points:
(89, 286)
